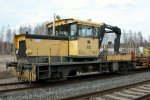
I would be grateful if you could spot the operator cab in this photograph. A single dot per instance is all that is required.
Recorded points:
(86, 33)
(74, 28)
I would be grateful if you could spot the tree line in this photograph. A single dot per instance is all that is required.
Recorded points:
(129, 39)
(135, 40)
(7, 35)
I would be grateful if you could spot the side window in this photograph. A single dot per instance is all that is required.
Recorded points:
(95, 31)
(62, 30)
(89, 31)
(86, 31)
(73, 29)
(82, 31)
(50, 31)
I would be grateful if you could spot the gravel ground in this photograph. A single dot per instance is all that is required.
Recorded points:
(8, 80)
(66, 90)
(6, 73)
(4, 59)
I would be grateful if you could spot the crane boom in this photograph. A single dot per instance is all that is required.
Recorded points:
(112, 29)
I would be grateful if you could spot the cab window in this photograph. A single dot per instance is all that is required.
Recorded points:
(82, 31)
(73, 29)
(62, 30)
(87, 31)
(95, 31)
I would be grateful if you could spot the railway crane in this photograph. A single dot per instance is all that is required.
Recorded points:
(74, 49)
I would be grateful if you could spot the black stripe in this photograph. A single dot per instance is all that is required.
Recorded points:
(33, 36)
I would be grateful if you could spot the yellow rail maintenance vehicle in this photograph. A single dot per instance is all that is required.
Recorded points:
(71, 48)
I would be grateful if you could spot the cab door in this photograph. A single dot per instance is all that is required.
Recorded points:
(88, 41)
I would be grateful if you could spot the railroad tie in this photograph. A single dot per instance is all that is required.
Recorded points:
(125, 95)
(133, 92)
(99, 98)
(114, 97)
(144, 88)
(147, 85)
(140, 90)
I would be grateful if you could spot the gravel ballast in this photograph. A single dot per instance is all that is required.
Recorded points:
(67, 90)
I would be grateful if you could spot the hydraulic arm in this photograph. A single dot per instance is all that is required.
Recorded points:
(110, 29)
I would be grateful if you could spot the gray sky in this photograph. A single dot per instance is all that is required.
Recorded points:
(126, 14)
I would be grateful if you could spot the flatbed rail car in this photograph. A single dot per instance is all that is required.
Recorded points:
(73, 48)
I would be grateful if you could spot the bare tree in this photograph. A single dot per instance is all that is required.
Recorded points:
(140, 38)
(25, 29)
(149, 40)
(40, 29)
(12, 41)
(8, 39)
(135, 39)
(125, 38)
(2, 39)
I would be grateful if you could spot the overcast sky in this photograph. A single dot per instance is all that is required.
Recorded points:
(126, 14)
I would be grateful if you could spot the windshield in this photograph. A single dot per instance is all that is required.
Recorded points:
(87, 31)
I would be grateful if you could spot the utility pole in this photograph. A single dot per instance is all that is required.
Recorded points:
(54, 25)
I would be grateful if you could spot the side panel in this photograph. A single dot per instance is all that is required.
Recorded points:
(41, 47)
(18, 38)
(88, 47)
(119, 57)
(73, 48)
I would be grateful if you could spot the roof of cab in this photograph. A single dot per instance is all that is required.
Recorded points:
(72, 20)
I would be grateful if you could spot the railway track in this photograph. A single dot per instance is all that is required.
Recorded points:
(15, 86)
(13, 83)
(136, 91)
(23, 86)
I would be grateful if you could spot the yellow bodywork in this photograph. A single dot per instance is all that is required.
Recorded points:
(119, 57)
(88, 47)
(48, 47)
(41, 47)
(18, 38)
(73, 48)
(146, 52)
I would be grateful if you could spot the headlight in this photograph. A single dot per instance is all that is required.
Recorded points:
(16, 52)
(28, 52)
